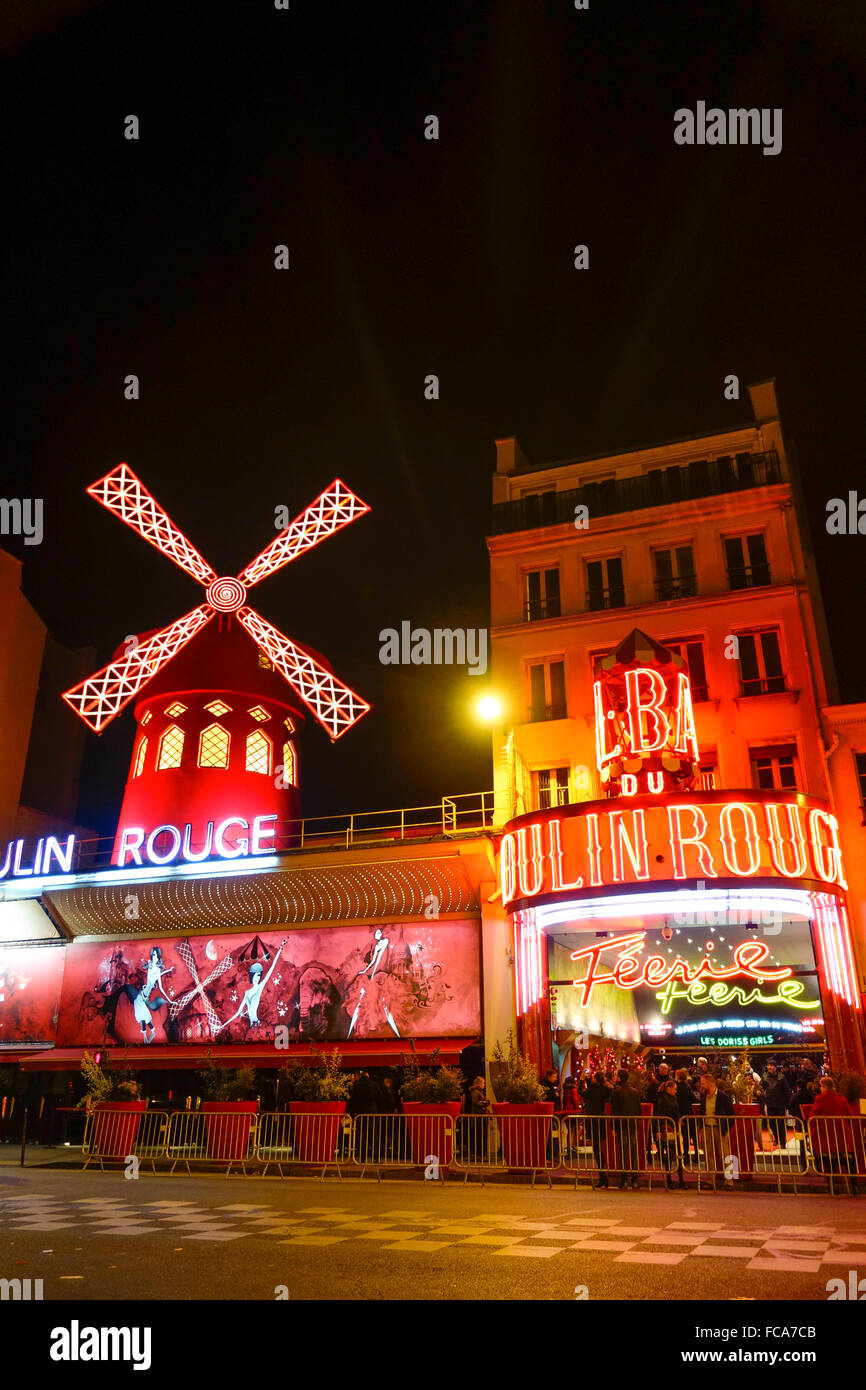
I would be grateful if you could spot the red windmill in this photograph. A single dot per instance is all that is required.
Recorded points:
(213, 722)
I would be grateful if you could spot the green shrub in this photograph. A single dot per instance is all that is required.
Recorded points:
(324, 1082)
(514, 1077)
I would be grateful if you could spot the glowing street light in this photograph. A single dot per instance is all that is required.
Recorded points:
(489, 708)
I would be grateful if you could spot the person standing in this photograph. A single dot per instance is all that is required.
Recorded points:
(717, 1110)
(550, 1087)
(667, 1133)
(778, 1095)
(595, 1102)
(625, 1107)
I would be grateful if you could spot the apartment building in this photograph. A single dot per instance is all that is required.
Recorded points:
(702, 545)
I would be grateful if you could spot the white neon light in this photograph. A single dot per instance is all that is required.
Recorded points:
(794, 902)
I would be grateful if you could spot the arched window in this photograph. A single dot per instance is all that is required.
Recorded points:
(139, 758)
(258, 752)
(170, 748)
(213, 747)
(290, 764)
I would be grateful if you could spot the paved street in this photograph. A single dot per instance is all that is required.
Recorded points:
(99, 1236)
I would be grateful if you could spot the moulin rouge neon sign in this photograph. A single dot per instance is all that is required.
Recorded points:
(701, 984)
(708, 836)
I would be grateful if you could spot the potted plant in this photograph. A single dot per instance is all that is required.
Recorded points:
(320, 1094)
(228, 1111)
(113, 1097)
(521, 1097)
(432, 1100)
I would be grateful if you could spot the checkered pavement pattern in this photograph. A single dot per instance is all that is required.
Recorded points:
(778, 1249)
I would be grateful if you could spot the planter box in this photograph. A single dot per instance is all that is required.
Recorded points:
(431, 1129)
(525, 1132)
(228, 1126)
(315, 1129)
(115, 1127)
(741, 1136)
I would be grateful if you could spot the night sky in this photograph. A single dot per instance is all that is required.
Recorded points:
(407, 257)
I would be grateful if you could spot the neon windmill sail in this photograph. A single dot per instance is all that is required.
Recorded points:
(101, 697)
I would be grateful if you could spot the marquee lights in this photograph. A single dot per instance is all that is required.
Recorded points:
(707, 837)
(663, 976)
(140, 846)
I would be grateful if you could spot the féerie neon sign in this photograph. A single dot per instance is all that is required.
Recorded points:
(710, 835)
(676, 980)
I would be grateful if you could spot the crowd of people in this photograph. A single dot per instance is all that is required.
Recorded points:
(702, 1090)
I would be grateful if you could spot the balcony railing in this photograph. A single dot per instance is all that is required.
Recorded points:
(537, 608)
(763, 685)
(538, 713)
(604, 598)
(659, 487)
(748, 576)
(667, 589)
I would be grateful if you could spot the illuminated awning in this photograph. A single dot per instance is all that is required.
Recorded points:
(343, 893)
(379, 1052)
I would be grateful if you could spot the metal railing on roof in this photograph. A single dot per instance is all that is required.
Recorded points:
(466, 813)
(658, 487)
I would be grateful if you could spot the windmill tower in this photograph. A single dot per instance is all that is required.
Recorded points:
(217, 703)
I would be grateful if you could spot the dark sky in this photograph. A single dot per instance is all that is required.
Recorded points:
(408, 257)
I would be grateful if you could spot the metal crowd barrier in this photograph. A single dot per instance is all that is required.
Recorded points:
(608, 1149)
(838, 1146)
(620, 1148)
(221, 1136)
(517, 1143)
(323, 1141)
(118, 1135)
(729, 1150)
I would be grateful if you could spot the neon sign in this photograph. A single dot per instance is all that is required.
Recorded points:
(710, 836)
(47, 850)
(142, 847)
(702, 984)
(645, 737)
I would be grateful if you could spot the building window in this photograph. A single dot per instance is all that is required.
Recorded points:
(146, 717)
(265, 662)
(213, 747)
(258, 714)
(860, 761)
(746, 558)
(139, 758)
(175, 709)
(775, 768)
(541, 599)
(760, 663)
(691, 649)
(707, 778)
(290, 765)
(604, 585)
(551, 786)
(547, 691)
(290, 724)
(170, 748)
(675, 573)
(259, 753)
(218, 707)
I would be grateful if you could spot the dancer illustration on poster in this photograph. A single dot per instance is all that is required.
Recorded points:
(144, 1006)
(249, 1005)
